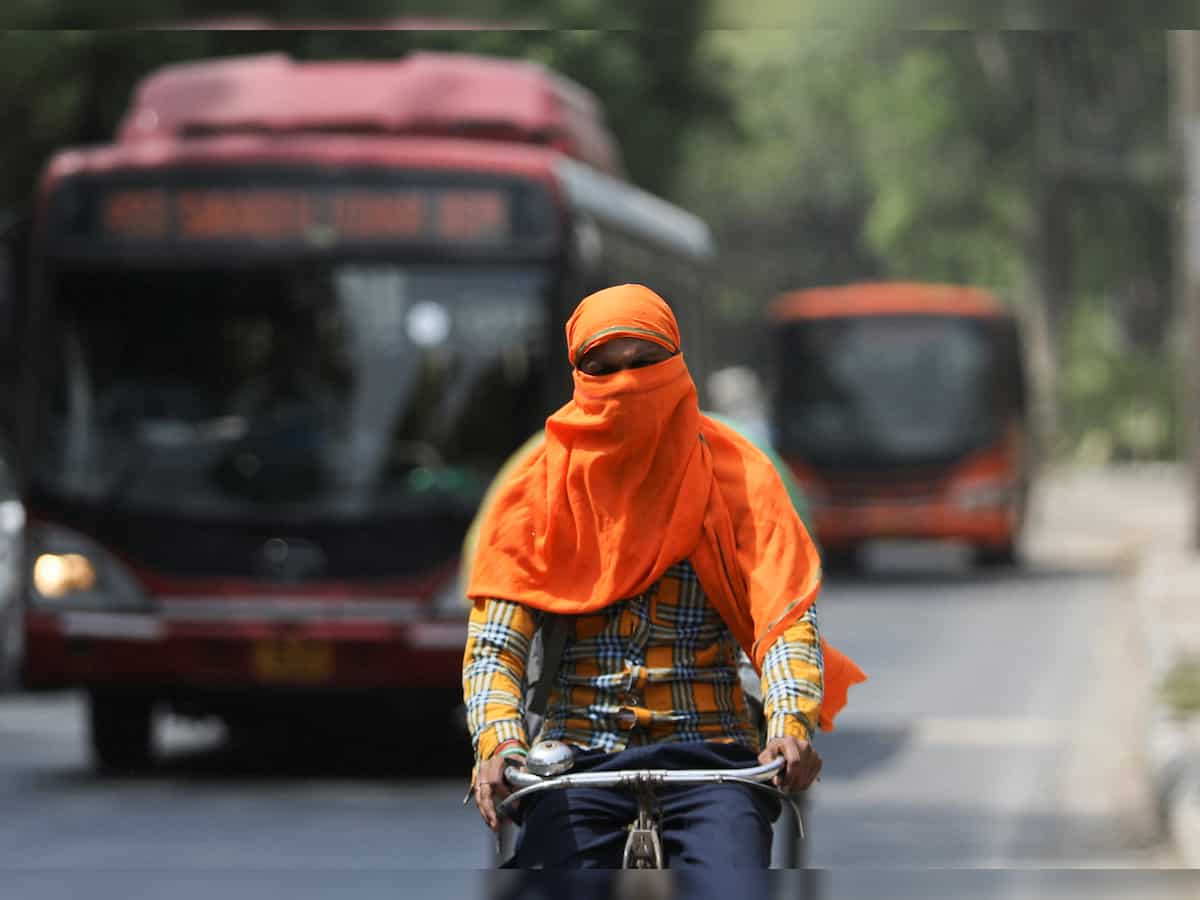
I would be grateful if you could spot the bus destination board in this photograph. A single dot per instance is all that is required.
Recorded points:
(455, 215)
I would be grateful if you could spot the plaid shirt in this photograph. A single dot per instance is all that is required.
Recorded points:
(659, 667)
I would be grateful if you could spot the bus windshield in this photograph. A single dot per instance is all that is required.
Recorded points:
(885, 390)
(320, 388)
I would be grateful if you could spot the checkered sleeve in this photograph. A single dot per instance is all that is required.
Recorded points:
(792, 680)
(498, 638)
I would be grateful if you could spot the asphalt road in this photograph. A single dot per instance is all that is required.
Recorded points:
(988, 756)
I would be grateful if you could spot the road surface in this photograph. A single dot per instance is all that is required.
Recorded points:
(990, 754)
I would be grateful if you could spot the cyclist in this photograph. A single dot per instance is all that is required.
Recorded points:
(667, 541)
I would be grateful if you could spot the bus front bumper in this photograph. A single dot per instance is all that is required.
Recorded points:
(843, 526)
(92, 648)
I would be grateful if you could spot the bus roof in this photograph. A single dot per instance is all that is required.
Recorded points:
(431, 94)
(428, 153)
(886, 298)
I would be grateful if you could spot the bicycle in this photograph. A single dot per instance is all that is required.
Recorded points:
(548, 765)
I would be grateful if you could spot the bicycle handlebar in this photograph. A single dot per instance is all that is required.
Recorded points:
(519, 778)
(527, 783)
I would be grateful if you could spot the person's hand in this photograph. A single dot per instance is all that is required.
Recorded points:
(491, 788)
(803, 762)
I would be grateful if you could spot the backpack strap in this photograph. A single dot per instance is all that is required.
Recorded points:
(542, 668)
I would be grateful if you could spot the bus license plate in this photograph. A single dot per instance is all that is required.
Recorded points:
(292, 661)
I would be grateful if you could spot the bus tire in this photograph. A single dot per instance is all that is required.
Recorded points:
(121, 729)
(996, 557)
(843, 559)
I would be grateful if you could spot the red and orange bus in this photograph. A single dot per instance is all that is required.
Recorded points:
(902, 409)
(279, 336)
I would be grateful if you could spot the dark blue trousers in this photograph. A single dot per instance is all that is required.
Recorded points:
(714, 826)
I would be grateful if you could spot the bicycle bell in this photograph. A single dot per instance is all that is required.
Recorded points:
(547, 758)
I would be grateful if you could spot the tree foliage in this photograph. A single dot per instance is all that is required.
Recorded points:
(1032, 162)
(66, 87)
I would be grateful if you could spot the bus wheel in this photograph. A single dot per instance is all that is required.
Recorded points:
(121, 728)
(843, 559)
(996, 557)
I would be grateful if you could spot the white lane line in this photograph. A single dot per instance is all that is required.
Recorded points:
(68, 720)
(55, 719)
(999, 732)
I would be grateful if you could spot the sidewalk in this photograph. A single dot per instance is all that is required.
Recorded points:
(1137, 519)
(1107, 516)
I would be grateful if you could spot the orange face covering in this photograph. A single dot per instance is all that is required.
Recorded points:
(632, 479)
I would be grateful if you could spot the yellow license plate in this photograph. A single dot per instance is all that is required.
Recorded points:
(890, 520)
(292, 661)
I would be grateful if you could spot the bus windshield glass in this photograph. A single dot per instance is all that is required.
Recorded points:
(319, 388)
(885, 390)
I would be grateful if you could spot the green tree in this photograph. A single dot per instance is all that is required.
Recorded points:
(69, 87)
(1034, 163)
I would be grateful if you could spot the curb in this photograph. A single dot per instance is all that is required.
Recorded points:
(1182, 813)
(1172, 748)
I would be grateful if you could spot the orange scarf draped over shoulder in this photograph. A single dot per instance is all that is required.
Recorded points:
(630, 480)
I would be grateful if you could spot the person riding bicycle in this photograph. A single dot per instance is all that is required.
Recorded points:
(666, 541)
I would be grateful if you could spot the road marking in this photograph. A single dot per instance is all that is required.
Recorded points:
(66, 719)
(999, 731)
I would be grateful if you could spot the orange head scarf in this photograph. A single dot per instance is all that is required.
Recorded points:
(630, 480)
(629, 310)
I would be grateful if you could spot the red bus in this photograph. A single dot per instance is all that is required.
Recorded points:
(902, 410)
(279, 336)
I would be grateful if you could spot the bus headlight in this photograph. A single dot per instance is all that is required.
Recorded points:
(979, 495)
(73, 571)
(55, 575)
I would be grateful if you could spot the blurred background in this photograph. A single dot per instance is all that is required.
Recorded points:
(1036, 163)
(277, 302)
